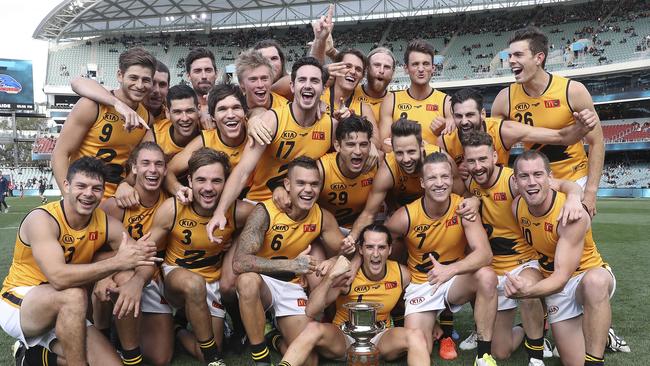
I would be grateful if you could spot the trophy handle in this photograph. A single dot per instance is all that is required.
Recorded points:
(344, 328)
(380, 326)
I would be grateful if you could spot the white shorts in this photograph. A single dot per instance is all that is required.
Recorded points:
(582, 182)
(213, 296)
(419, 297)
(344, 231)
(288, 298)
(506, 303)
(563, 305)
(153, 298)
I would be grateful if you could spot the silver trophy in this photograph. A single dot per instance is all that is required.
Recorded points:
(362, 325)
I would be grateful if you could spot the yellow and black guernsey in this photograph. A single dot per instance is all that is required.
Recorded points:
(508, 246)
(277, 100)
(109, 141)
(138, 219)
(386, 291)
(79, 247)
(541, 233)
(344, 197)
(353, 102)
(444, 238)
(492, 126)
(188, 245)
(550, 110)
(161, 116)
(212, 139)
(163, 133)
(363, 97)
(421, 111)
(286, 238)
(406, 187)
(290, 141)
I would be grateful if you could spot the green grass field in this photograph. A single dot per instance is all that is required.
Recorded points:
(620, 230)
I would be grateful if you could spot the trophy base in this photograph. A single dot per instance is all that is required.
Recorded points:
(356, 358)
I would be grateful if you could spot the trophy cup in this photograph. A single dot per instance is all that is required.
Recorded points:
(362, 326)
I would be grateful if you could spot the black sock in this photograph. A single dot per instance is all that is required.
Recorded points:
(260, 353)
(447, 324)
(284, 363)
(132, 356)
(594, 361)
(273, 338)
(209, 350)
(39, 355)
(483, 348)
(534, 347)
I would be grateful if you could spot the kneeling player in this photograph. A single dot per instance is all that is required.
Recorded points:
(378, 280)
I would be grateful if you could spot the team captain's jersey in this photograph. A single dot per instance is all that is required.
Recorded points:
(386, 291)
(492, 126)
(421, 111)
(188, 245)
(290, 141)
(550, 110)
(344, 197)
(541, 234)
(212, 140)
(406, 187)
(363, 97)
(444, 238)
(162, 135)
(109, 141)
(509, 248)
(138, 219)
(79, 247)
(286, 238)
(277, 100)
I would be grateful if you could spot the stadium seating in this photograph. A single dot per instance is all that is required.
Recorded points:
(626, 130)
(29, 176)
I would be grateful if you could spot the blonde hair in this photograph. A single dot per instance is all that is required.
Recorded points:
(249, 60)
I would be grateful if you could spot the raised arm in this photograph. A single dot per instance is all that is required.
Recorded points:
(322, 28)
(329, 288)
(386, 121)
(332, 237)
(382, 183)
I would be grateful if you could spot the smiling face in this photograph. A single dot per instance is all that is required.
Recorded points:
(159, 90)
(136, 82)
(419, 68)
(353, 72)
(149, 169)
(184, 115)
(229, 115)
(375, 251)
(480, 161)
(533, 181)
(256, 84)
(353, 151)
(307, 87)
(202, 75)
(408, 153)
(380, 71)
(207, 184)
(467, 116)
(523, 63)
(83, 193)
(437, 181)
(303, 186)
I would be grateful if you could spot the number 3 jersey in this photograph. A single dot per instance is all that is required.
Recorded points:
(109, 141)
(443, 237)
(188, 245)
(290, 141)
(78, 246)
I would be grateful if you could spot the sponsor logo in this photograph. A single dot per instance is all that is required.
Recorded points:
(548, 227)
(363, 99)
(318, 135)
(366, 182)
(163, 301)
(338, 186)
(361, 289)
(525, 222)
(581, 166)
(302, 302)
(93, 235)
(522, 106)
(416, 300)
(136, 218)
(187, 223)
(216, 305)
(111, 117)
(9, 85)
(552, 103)
(552, 309)
(432, 107)
(451, 222)
(421, 228)
(288, 135)
(404, 107)
(499, 196)
(309, 228)
(280, 227)
(67, 239)
(390, 285)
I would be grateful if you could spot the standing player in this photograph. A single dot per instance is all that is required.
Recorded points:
(448, 259)
(255, 75)
(378, 280)
(96, 128)
(42, 185)
(272, 251)
(541, 99)
(379, 74)
(44, 300)
(202, 74)
(577, 283)
(420, 102)
(4, 187)
(155, 101)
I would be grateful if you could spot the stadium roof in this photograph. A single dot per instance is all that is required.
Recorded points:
(75, 19)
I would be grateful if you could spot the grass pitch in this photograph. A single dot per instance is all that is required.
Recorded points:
(620, 230)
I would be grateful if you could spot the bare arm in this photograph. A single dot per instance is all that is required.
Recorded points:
(480, 253)
(376, 136)
(500, 106)
(513, 132)
(112, 209)
(163, 221)
(324, 294)
(178, 165)
(381, 184)
(322, 30)
(386, 121)
(283, 87)
(92, 90)
(331, 235)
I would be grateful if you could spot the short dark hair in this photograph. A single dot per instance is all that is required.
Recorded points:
(137, 56)
(309, 60)
(145, 145)
(418, 45)
(476, 138)
(532, 155)
(303, 162)
(207, 156)
(181, 91)
(161, 67)
(266, 43)
(352, 51)
(377, 228)
(221, 91)
(197, 53)
(436, 157)
(406, 127)
(537, 40)
(467, 94)
(88, 166)
(353, 124)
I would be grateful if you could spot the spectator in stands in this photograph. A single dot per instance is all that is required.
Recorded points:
(4, 187)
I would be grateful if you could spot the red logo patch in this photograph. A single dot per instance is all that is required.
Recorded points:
(216, 305)
(432, 107)
(318, 135)
(390, 285)
(451, 222)
(93, 235)
(416, 300)
(552, 103)
(499, 196)
(548, 227)
(366, 182)
(302, 302)
(309, 228)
